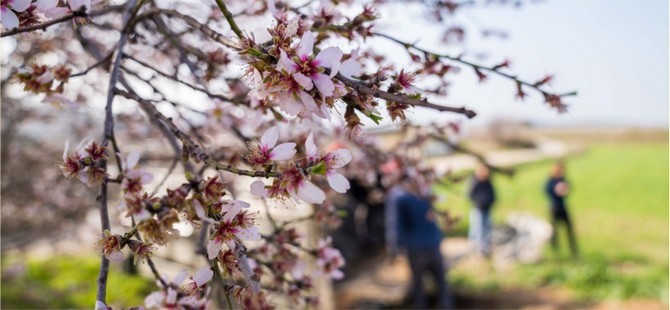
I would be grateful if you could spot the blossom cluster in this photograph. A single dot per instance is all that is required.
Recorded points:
(295, 181)
(23, 13)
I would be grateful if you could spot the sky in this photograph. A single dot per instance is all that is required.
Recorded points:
(614, 53)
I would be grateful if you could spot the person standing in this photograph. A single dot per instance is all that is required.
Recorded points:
(482, 196)
(420, 235)
(557, 189)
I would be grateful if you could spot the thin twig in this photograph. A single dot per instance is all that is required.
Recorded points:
(364, 89)
(230, 19)
(78, 13)
(473, 65)
(194, 148)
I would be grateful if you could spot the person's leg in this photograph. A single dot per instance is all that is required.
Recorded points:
(486, 233)
(571, 235)
(417, 265)
(438, 273)
(554, 230)
(475, 229)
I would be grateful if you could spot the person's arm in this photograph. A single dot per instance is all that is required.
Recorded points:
(562, 189)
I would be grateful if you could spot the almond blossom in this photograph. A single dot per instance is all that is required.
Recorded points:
(331, 161)
(306, 69)
(330, 259)
(134, 178)
(201, 277)
(268, 150)
(235, 223)
(111, 246)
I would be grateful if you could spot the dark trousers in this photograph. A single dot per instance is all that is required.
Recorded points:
(430, 260)
(560, 216)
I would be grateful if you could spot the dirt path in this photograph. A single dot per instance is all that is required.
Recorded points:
(383, 284)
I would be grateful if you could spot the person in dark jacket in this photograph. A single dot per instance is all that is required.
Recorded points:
(482, 196)
(420, 235)
(557, 189)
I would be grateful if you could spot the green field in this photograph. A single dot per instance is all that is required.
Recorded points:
(66, 282)
(619, 205)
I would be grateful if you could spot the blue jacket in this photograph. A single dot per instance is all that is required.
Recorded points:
(557, 202)
(417, 229)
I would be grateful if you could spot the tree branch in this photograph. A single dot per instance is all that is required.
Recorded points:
(78, 13)
(107, 136)
(230, 19)
(363, 89)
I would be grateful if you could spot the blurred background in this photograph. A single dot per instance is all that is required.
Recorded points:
(614, 141)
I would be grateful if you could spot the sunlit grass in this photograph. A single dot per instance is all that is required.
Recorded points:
(66, 282)
(619, 204)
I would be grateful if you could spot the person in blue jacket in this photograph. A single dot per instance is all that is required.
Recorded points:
(420, 235)
(557, 189)
(482, 196)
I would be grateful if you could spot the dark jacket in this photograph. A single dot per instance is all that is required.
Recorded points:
(557, 202)
(482, 194)
(416, 228)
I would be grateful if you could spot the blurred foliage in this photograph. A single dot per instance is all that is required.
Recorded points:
(66, 282)
(619, 205)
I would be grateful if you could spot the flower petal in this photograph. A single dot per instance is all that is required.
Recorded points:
(258, 189)
(340, 158)
(213, 248)
(20, 5)
(46, 77)
(285, 63)
(116, 256)
(308, 101)
(67, 147)
(338, 182)
(270, 137)
(291, 105)
(324, 84)
(132, 160)
(283, 151)
(303, 80)
(249, 234)
(330, 58)
(310, 193)
(233, 210)
(306, 44)
(350, 67)
(9, 19)
(45, 5)
(202, 276)
(57, 12)
(310, 147)
(99, 305)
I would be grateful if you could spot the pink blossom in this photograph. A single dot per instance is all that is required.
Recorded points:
(297, 185)
(334, 160)
(331, 161)
(330, 259)
(9, 9)
(235, 223)
(111, 246)
(198, 281)
(134, 178)
(307, 70)
(267, 150)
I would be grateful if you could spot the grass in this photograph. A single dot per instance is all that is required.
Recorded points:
(619, 205)
(66, 282)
